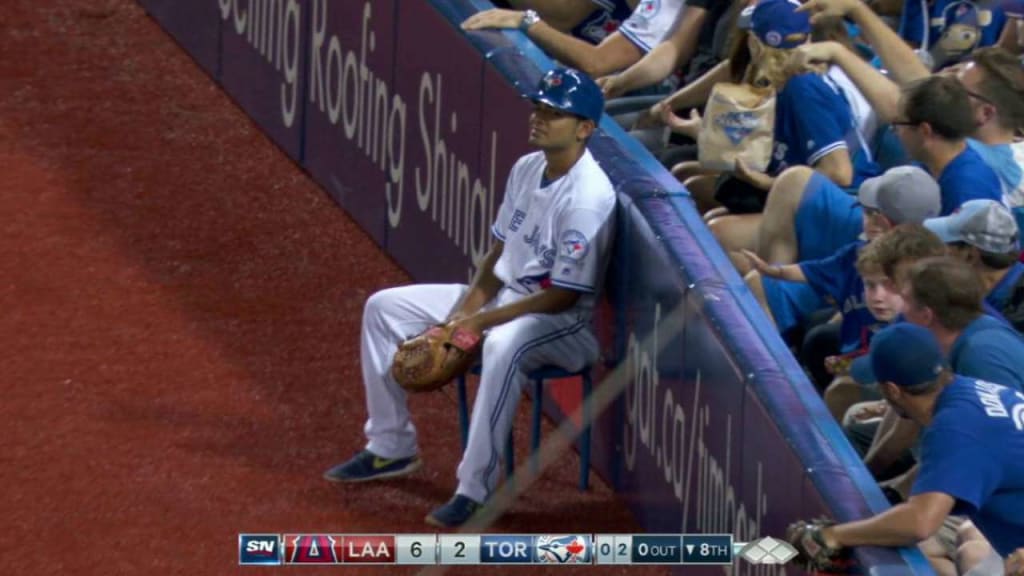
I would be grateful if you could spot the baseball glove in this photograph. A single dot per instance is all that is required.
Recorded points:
(814, 554)
(434, 358)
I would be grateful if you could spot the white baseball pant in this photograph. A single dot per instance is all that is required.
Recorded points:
(510, 352)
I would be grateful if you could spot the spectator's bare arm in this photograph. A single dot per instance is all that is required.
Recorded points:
(561, 14)
(898, 57)
(671, 54)
(895, 435)
(882, 93)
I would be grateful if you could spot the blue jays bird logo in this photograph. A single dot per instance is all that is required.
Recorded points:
(574, 246)
(571, 549)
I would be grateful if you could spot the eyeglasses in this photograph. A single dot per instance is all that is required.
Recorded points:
(977, 96)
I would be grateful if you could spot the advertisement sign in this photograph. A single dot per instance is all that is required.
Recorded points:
(263, 64)
(194, 24)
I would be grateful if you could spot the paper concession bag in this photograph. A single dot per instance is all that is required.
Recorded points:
(738, 123)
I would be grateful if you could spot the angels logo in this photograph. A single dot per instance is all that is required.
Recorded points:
(737, 125)
(569, 549)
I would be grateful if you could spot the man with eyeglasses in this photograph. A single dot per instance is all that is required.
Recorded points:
(993, 78)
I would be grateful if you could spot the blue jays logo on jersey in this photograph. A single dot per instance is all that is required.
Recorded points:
(648, 8)
(569, 549)
(601, 27)
(737, 125)
(573, 246)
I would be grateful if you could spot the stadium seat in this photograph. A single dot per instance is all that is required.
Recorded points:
(537, 377)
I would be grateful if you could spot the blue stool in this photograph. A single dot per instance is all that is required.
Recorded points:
(537, 377)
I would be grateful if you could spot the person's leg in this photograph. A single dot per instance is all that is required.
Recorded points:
(842, 395)
(777, 237)
(790, 303)
(755, 283)
(736, 232)
(702, 189)
(510, 352)
(389, 318)
(807, 217)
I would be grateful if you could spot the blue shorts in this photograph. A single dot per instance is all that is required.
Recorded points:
(791, 303)
(827, 219)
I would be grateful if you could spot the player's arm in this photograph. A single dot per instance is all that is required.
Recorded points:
(485, 285)
(551, 300)
(672, 53)
(908, 523)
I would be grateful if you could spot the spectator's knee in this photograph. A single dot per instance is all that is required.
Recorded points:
(790, 185)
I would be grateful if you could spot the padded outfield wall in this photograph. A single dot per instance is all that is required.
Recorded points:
(412, 125)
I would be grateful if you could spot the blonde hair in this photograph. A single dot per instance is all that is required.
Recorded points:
(774, 67)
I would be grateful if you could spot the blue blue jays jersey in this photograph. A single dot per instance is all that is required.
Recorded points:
(954, 27)
(606, 18)
(812, 120)
(973, 450)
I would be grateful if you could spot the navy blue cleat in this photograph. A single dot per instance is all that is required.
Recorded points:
(455, 513)
(366, 466)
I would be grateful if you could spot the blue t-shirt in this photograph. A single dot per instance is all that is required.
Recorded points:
(967, 177)
(1001, 292)
(836, 279)
(812, 120)
(973, 450)
(1007, 160)
(955, 27)
(606, 18)
(992, 350)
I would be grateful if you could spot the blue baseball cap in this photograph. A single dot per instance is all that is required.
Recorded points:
(776, 23)
(570, 91)
(905, 354)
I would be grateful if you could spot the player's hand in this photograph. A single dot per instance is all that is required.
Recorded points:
(1015, 563)
(471, 323)
(753, 177)
(688, 126)
(764, 268)
(824, 8)
(494, 18)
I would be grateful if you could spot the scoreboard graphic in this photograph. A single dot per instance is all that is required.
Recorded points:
(509, 549)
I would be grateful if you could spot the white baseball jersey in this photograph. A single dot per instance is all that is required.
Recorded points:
(651, 21)
(555, 233)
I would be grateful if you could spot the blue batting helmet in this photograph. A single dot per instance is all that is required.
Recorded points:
(571, 91)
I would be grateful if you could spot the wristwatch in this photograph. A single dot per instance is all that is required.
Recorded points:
(530, 17)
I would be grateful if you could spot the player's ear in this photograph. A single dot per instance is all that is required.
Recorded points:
(584, 129)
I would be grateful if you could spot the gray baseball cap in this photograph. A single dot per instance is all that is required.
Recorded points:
(904, 194)
(985, 224)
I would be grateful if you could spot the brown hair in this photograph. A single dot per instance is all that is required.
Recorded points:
(904, 242)
(941, 102)
(949, 287)
(1003, 84)
(868, 262)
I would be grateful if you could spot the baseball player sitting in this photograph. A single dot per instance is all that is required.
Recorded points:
(972, 460)
(532, 296)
